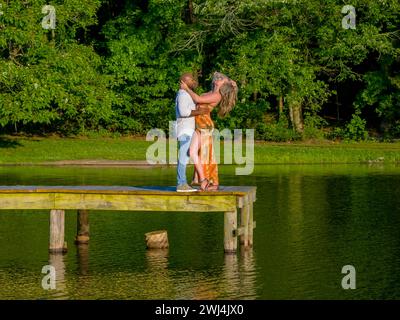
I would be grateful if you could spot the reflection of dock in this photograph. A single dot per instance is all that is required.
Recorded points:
(57, 261)
(235, 280)
(82, 198)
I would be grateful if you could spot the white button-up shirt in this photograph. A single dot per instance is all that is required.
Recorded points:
(184, 105)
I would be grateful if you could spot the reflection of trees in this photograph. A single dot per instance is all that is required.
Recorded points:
(295, 207)
(308, 234)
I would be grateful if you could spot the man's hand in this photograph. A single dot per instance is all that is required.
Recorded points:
(204, 108)
(199, 111)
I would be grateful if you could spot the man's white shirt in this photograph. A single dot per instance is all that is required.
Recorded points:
(185, 124)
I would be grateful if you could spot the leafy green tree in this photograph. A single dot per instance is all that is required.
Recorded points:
(115, 65)
(49, 80)
(146, 70)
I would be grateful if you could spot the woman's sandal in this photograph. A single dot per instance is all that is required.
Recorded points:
(207, 185)
(212, 187)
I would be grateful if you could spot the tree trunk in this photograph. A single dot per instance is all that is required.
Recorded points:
(296, 116)
(280, 105)
(189, 14)
(255, 95)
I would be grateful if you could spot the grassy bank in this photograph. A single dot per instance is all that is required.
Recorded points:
(18, 150)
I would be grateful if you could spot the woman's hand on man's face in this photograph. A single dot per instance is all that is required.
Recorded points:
(184, 86)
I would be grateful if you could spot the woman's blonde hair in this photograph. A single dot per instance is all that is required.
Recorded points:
(229, 97)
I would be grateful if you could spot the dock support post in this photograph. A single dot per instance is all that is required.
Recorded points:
(230, 228)
(57, 224)
(244, 224)
(82, 223)
(251, 224)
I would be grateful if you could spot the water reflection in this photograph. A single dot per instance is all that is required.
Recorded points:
(236, 279)
(295, 206)
(157, 260)
(239, 275)
(248, 273)
(82, 250)
(311, 221)
(57, 261)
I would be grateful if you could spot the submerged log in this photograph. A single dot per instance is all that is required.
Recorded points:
(157, 239)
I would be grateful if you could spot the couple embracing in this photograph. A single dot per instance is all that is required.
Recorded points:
(195, 128)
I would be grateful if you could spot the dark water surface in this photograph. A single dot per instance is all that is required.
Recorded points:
(311, 221)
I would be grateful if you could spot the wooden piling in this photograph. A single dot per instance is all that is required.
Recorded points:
(251, 224)
(82, 223)
(244, 223)
(230, 231)
(157, 239)
(57, 225)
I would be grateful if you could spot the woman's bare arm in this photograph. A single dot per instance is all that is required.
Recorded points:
(208, 98)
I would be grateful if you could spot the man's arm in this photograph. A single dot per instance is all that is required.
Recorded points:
(199, 111)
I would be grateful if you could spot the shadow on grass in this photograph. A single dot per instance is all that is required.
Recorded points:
(8, 143)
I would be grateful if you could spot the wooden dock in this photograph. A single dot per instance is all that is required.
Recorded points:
(235, 202)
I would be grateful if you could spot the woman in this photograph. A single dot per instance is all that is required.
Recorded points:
(224, 95)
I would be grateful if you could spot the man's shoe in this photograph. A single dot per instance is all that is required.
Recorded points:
(185, 188)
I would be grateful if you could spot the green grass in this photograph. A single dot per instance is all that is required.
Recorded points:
(327, 152)
(17, 150)
(35, 150)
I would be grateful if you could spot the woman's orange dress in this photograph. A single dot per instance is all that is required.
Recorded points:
(205, 126)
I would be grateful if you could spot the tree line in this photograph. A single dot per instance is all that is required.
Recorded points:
(113, 66)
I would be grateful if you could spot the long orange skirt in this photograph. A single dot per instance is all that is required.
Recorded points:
(207, 157)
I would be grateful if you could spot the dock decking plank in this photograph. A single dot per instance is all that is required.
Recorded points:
(224, 190)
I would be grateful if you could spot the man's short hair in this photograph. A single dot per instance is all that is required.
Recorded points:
(187, 75)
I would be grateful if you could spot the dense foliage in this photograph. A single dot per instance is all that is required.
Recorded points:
(113, 66)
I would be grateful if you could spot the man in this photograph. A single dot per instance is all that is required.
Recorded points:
(185, 124)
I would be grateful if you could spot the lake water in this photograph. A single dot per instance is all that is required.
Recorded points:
(311, 221)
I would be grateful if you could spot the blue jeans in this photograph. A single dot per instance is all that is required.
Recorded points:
(183, 158)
